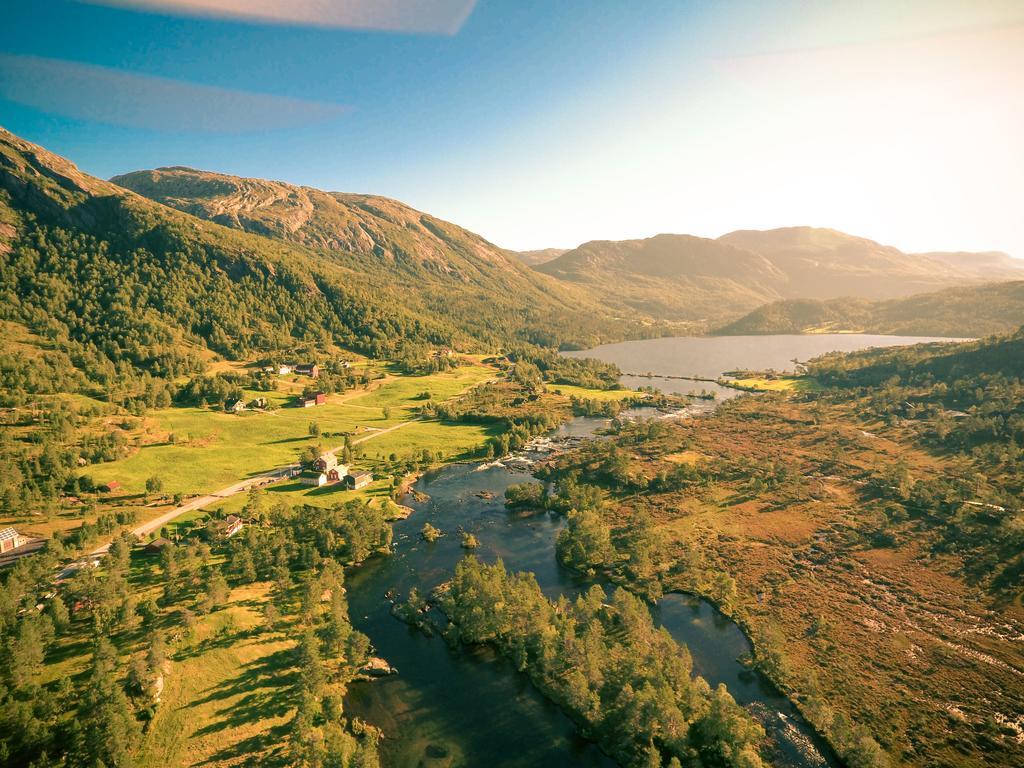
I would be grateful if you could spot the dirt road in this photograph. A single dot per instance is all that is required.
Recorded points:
(242, 486)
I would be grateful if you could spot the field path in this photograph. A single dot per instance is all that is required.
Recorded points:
(379, 432)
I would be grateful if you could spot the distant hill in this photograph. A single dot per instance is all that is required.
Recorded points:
(533, 258)
(977, 310)
(671, 277)
(680, 278)
(134, 290)
(985, 265)
(827, 264)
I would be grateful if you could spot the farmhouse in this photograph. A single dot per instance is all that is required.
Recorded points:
(335, 474)
(308, 401)
(229, 526)
(313, 477)
(111, 487)
(10, 540)
(157, 545)
(259, 402)
(358, 480)
(234, 406)
(325, 461)
(308, 369)
(284, 370)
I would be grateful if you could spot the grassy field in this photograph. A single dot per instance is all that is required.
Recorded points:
(228, 689)
(211, 449)
(569, 390)
(454, 441)
(781, 384)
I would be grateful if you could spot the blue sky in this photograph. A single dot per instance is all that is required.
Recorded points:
(551, 123)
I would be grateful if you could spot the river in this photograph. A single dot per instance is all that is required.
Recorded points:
(469, 707)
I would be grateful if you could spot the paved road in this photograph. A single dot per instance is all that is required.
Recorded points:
(242, 486)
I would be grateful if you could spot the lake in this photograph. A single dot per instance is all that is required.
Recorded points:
(711, 356)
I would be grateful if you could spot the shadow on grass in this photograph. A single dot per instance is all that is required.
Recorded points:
(263, 749)
(218, 640)
(328, 490)
(300, 439)
(265, 689)
(289, 488)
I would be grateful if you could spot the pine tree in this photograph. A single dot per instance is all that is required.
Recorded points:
(110, 731)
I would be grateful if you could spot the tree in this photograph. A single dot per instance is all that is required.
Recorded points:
(585, 543)
(27, 650)
(243, 565)
(311, 668)
(271, 616)
(216, 591)
(314, 429)
(154, 484)
(109, 729)
(58, 612)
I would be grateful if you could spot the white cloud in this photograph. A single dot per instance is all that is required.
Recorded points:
(99, 94)
(444, 17)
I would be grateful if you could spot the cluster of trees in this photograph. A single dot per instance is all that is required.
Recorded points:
(213, 390)
(585, 372)
(512, 407)
(218, 388)
(627, 683)
(587, 543)
(42, 462)
(301, 552)
(423, 359)
(399, 465)
(100, 719)
(22, 376)
(329, 654)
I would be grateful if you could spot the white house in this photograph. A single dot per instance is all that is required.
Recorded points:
(312, 477)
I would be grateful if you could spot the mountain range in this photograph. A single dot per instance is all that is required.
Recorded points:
(682, 278)
(150, 273)
(126, 286)
(977, 310)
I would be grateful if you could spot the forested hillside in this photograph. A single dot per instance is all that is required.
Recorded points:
(136, 293)
(434, 268)
(957, 312)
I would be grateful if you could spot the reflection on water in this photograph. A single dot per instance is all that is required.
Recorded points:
(466, 707)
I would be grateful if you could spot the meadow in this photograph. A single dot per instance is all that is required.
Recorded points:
(196, 450)
(570, 390)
